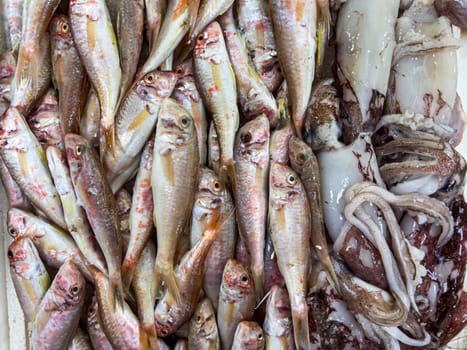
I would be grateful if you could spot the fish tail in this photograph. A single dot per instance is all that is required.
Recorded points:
(227, 174)
(107, 141)
(300, 325)
(128, 269)
(297, 119)
(258, 278)
(166, 274)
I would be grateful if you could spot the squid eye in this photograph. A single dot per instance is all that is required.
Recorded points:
(291, 179)
(79, 150)
(244, 278)
(149, 78)
(12, 232)
(65, 28)
(74, 290)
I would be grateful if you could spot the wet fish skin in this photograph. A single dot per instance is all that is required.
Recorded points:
(96, 333)
(7, 71)
(182, 344)
(55, 246)
(289, 222)
(13, 10)
(140, 219)
(129, 31)
(26, 163)
(236, 300)
(80, 341)
(154, 12)
(251, 194)
(69, 76)
(123, 205)
(15, 196)
(89, 122)
(203, 334)
(187, 94)
(95, 196)
(214, 154)
(173, 181)
(59, 311)
(216, 82)
(294, 24)
(213, 195)
(75, 217)
(29, 275)
(97, 46)
(253, 95)
(278, 322)
(248, 336)
(135, 121)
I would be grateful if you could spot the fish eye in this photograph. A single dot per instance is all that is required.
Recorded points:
(65, 28)
(12, 232)
(244, 278)
(179, 71)
(79, 150)
(164, 332)
(199, 318)
(246, 137)
(200, 37)
(74, 290)
(10, 254)
(217, 185)
(260, 336)
(149, 78)
(291, 179)
(185, 121)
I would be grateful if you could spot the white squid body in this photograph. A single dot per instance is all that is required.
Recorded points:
(424, 73)
(341, 168)
(365, 44)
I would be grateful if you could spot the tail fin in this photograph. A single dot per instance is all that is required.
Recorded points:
(166, 273)
(107, 141)
(258, 277)
(128, 269)
(227, 175)
(300, 325)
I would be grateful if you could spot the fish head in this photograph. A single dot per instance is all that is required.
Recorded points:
(278, 304)
(299, 152)
(204, 320)
(69, 284)
(252, 141)
(209, 41)
(250, 335)
(164, 320)
(60, 31)
(76, 149)
(210, 188)
(185, 69)
(24, 258)
(237, 279)
(284, 183)
(17, 222)
(156, 85)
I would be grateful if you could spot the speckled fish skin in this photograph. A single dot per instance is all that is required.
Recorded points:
(97, 47)
(13, 10)
(255, 23)
(171, 314)
(69, 76)
(144, 286)
(75, 217)
(45, 122)
(212, 195)
(174, 178)
(187, 94)
(15, 196)
(96, 197)
(248, 336)
(203, 333)
(216, 82)
(118, 321)
(29, 275)
(289, 223)
(253, 96)
(236, 300)
(54, 245)
(140, 220)
(26, 162)
(59, 311)
(96, 333)
(304, 162)
(294, 23)
(129, 31)
(154, 12)
(80, 341)
(214, 153)
(251, 193)
(177, 21)
(278, 321)
(89, 123)
(280, 137)
(135, 121)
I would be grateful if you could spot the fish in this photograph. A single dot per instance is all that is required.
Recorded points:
(140, 219)
(29, 275)
(69, 76)
(203, 333)
(75, 217)
(214, 154)
(154, 13)
(97, 46)
(12, 11)
(96, 333)
(278, 145)
(89, 122)
(55, 245)
(80, 341)
(15, 196)
(217, 85)
(7, 71)
(59, 312)
(272, 274)
(294, 24)
(251, 193)
(173, 180)
(182, 344)
(237, 300)
(278, 321)
(248, 336)
(254, 98)
(187, 94)
(135, 122)
(212, 195)
(129, 31)
(26, 162)
(305, 163)
(255, 23)
(95, 196)
(290, 227)
(123, 205)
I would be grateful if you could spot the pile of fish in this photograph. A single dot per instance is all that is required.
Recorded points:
(219, 174)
